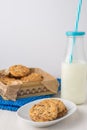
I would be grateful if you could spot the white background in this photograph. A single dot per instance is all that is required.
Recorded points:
(32, 32)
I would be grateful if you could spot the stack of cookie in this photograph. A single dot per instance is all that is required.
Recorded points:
(19, 73)
(47, 110)
(19, 81)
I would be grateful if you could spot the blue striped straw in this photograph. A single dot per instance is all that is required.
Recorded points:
(76, 28)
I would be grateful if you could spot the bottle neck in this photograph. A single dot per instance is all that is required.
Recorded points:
(76, 48)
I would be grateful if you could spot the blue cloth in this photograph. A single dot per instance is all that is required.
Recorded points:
(14, 105)
(59, 81)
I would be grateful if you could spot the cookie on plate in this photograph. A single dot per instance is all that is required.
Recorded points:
(63, 113)
(19, 71)
(47, 110)
(62, 110)
(43, 111)
(32, 77)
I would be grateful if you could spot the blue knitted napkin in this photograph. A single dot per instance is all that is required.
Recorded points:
(14, 105)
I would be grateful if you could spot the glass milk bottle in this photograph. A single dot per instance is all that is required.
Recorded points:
(74, 73)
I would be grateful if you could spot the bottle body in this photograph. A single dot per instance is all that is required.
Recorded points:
(74, 82)
(74, 75)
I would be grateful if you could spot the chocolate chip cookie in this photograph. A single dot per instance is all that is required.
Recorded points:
(19, 71)
(62, 110)
(9, 81)
(43, 111)
(32, 77)
(47, 110)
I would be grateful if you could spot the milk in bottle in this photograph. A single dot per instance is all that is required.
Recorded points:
(74, 74)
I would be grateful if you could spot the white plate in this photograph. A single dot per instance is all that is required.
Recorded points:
(23, 113)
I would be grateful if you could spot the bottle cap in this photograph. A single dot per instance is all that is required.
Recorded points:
(75, 33)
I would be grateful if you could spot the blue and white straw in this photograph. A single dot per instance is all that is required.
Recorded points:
(76, 28)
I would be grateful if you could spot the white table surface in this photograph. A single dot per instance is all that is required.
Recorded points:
(78, 121)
